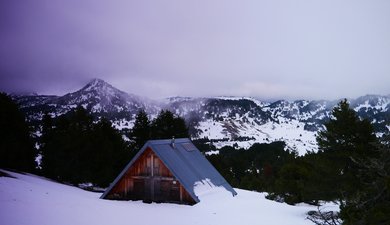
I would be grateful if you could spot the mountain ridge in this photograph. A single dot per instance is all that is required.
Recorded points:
(225, 120)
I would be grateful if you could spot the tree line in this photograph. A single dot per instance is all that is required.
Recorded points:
(74, 147)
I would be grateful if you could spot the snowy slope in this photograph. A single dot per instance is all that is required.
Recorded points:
(292, 132)
(32, 200)
(242, 121)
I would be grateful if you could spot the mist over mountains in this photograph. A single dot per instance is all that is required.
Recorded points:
(239, 121)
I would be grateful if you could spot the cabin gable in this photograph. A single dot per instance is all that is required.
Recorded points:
(149, 179)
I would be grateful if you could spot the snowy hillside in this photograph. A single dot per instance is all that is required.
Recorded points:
(32, 200)
(241, 121)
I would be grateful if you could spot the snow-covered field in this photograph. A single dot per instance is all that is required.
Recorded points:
(292, 132)
(33, 200)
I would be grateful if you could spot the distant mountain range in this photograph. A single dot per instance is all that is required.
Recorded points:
(239, 121)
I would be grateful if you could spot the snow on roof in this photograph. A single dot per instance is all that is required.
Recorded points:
(185, 162)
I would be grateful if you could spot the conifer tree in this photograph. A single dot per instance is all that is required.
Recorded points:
(140, 133)
(64, 144)
(345, 139)
(167, 125)
(346, 131)
(77, 150)
(370, 205)
(16, 146)
(107, 154)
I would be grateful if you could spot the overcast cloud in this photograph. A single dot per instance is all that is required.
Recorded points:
(269, 49)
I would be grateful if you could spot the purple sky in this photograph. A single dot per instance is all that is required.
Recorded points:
(269, 49)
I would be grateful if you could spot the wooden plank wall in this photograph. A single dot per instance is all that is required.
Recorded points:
(150, 180)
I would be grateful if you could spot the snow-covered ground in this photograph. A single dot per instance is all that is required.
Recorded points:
(292, 132)
(33, 200)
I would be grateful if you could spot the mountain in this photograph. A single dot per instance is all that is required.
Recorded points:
(239, 121)
(98, 97)
(376, 109)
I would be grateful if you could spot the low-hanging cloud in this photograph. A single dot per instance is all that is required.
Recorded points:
(268, 49)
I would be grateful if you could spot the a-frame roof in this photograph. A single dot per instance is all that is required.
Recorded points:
(185, 162)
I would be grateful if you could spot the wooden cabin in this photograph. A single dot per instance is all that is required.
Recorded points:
(165, 171)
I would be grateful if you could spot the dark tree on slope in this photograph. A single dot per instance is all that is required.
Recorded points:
(345, 138)
(331, 173)
(76, 150)
(167, 125)
(141, 131)
(64, 142)
(255, 168)
(370, 205)
(16, 146)
(109, 153)
(346, 131)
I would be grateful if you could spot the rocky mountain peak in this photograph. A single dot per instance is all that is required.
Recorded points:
(100, 98)
(100, 86)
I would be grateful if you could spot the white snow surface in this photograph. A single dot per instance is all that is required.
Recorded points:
(206, 187)
(381, 105)
(123, 124)
(32, 200)
(292, 132)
